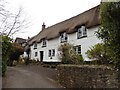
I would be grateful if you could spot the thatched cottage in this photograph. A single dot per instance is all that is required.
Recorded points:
(78, 30)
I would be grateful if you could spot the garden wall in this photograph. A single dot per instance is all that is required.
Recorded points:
(88, 76)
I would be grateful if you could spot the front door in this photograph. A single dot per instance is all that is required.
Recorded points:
(41, 55)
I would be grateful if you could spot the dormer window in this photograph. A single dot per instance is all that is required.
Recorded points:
(82, 32)
(44, 43)
(35, 45)
(63, 37)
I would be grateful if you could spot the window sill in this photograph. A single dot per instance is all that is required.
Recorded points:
(43, 46)
(34, 48)
(63, 41)
(81, 37)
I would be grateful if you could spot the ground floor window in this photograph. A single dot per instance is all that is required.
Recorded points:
(51, 53)
(36, 54)
(77, 49)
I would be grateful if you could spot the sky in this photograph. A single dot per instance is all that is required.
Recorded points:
(48, 11)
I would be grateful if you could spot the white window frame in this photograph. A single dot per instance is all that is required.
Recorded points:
(44, 43)
(76, 48)
(51, 53)
(63, 37)
(84, 30)
(81, 32)
(35, 45)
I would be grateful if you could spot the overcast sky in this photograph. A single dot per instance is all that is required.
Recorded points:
(49, 11)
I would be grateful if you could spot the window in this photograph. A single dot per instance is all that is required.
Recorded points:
(63, 37)
(44, 43)
(36, 54)
(35, 46)
(82, 32)
(51, 53)
(79, 33)
(78, 49)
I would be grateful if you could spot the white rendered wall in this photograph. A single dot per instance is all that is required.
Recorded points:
(85, 43)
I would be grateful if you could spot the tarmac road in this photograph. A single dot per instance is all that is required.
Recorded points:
(29, 77)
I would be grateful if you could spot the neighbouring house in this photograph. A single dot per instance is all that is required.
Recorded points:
(21, 41)
(79, 30)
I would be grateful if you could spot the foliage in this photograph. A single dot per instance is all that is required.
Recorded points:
(68, 55)
(100, 53)
(109, 30)
(10, 52)
(7, 48)
(18, 50)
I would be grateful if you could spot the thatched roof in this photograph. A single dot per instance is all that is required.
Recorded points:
(88, 18)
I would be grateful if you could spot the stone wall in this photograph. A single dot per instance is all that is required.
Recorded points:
(88, 76)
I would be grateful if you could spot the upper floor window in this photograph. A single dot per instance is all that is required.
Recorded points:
(78, 49)
(82, 32)
(44, 43)
(63, 37)
(35, 45)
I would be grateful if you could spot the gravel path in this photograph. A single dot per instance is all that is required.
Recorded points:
(31, 76)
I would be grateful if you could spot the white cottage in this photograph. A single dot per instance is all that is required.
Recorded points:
(78, 30)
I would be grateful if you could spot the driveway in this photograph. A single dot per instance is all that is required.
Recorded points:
(31, 76)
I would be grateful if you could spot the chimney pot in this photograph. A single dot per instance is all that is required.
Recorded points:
(43, 26)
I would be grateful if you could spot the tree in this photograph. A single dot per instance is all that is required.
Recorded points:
(109, 30)
(7, 48)
(15, 54)
(11, 22)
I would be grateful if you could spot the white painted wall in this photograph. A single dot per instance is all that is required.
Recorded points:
(85, 43)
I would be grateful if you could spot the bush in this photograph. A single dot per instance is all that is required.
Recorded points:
(101, 54)
(68, 55)
(4, 67)
(109, 30)
(26, 60)
(15, 55)
(7, 48)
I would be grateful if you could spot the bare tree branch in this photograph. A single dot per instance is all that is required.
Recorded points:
(11, 23)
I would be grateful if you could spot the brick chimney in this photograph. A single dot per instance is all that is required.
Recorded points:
(43, 26)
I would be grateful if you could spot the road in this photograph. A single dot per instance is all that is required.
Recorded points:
(30, 77)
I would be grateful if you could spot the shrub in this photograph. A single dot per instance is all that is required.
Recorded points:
(101, 53)
(26, 60)
(7, 48)
(109, 30)
(68, 55)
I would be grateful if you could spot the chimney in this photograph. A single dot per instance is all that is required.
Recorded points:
(28, 37)
(43, 26)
